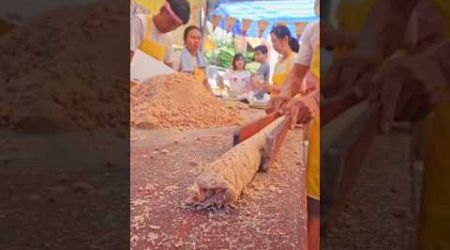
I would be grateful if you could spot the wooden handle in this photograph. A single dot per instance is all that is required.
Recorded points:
(254, 127)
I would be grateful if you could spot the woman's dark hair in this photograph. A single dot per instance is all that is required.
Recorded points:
(281, 31)
(181, 8)
(189, 29)
(262, 48)
(236, 57)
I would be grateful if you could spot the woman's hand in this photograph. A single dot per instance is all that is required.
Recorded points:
(349, 73)
(409, 88)
(277, 103)
(301, 109)
(266, 87)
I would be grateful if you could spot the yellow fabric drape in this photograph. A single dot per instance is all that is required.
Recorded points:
(149, 47)
(199, 74)
(444, 8)
(315, 63)
(352, 17)
(435, 214)
(313, 161)
(353, 14)
(152, 5)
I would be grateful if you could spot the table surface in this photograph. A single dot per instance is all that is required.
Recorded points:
(270, 214)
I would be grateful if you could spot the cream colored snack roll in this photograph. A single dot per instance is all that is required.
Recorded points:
(223, 180)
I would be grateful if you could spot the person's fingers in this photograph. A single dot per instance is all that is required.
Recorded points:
(284, 100)
(306, 118)
(275, 104)
(303, 115)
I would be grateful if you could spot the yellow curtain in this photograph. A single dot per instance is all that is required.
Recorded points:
(353, 14)
(444, 9)
(152, 5)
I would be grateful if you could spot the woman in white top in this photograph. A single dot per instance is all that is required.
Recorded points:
(239, 78)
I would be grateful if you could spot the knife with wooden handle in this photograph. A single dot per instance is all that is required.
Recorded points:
(248, 130)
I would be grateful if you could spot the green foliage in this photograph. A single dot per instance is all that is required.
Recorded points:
(252, 67)
(223, 54)
(249, 56)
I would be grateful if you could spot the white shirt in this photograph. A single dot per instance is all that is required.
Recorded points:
(239, 82)
(138, 26)
(308, 42)
(136, 9)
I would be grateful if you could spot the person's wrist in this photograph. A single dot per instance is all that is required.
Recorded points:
(285, 92)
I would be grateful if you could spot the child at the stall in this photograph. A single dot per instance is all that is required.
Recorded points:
(239, 78)
(261, 57)
(263, 73)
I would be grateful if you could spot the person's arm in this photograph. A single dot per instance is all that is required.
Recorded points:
(169, 64)
(383, 34)
(168, 60)
(385, 28)
(293, 82)
(136, 34)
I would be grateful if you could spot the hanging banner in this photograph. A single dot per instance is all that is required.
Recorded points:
(299, 26)
(262, 25)
(246, 25)
(239, 43)
(230, 23)
(282, 24)
(216, 20)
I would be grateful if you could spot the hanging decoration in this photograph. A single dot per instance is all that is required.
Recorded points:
(299, 26)
(216, 20)
(246, 25)
(262, 25)
(282, 24)
(239, 43)
(230, 23)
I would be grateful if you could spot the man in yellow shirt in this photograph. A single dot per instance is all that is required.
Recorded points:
(151, 34)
